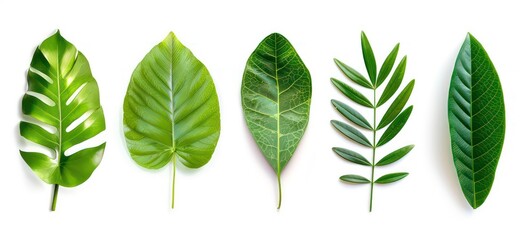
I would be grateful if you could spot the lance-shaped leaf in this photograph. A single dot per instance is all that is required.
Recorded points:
(351, 156)
(394, 83)
(353, 115)
(353, 178)
(171, 110)
(392, 177)
(351, 133)
(62, 95)
(351, 93)
(387, 65)
(395, 127)
(394, 156)
(397, 106)
(276, 93)
(476, 120)
(369, 58)
(353, 74)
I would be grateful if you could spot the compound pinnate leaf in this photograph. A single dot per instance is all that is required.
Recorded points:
(476, 120)
(171, 109)
(62, 94)
(276, 94)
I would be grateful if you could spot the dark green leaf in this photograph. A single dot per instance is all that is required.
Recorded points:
(351, 114)
(351, 156)
(351, 178)
(476, 120)
(390, 178)
(351, 133)
(395, 155)
(352, 74)
(395, 127)
(369, 59)
(387, 66)
(351, 93)
(394, 83)
(397, 105)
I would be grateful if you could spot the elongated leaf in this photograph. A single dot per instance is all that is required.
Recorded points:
(351, 156)
(62, 94)
(351, 178)
(276, 93)
(171, 110)
(351, 133)
(387, 65)
(395, 127)
(390, 178)
(352, 74)
(476, 120)
(395, 155)
(351, 93)
(353, 115)
(369, 59)
(394, 83)
(397, 106)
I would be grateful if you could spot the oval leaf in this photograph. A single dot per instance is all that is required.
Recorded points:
(387, 65)
(351, 93)
(369, 59)
(395, 127)
(276, 93)
(351, 156)
(351, 178)
(395, 155)
(394, 83)
(392, 177)
(476, 120)
(351, 133)
(397, 106)
(352, 74)
(351, 114)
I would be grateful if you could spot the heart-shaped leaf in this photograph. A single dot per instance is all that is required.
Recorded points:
(63, 95)
(476, 120)
(276, 93)
(171, 110)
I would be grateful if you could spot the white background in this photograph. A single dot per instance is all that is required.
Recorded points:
(234, 196)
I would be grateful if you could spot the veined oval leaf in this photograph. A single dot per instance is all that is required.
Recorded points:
(397, 106)
(351, 133)
(394, 83)
(352, 178)
(276, 94)
(395, 127)
(476, 120)
(351, 93)
(395, 155)
(353, 115)
(369, 59)
(171, 109)
(351, 156)
(387, 65)
(353, 74)
(61, 89)
(392, 177)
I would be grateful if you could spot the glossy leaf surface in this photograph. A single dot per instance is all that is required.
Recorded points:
(351, 156)
(390, 178)
(352, 178)
(353, 115)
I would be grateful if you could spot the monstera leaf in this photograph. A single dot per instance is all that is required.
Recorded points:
(476, 120)
(171, 110)
(62, 95)
(276, 93)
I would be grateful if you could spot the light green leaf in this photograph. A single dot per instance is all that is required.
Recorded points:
(351, 178)
(394, 156)
(351, 93)
(351, 156)
(395, 127)
(171, 110)
(276, 94)
(352, 74)
(397, 106)
(351, 133)
(394, 83)
(390, 178)
(369, 59)
(387, 65)
(61, 90)
(476, 120)
(353, 115)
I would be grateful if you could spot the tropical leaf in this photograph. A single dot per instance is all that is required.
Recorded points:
(390, 178)
(476, 120)
(354, 179)
(62, 94)
(171, 110)
(276, 94)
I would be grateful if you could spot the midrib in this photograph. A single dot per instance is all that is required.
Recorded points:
(172, 94)
(60, 129)
(278, 109)
(471, 126)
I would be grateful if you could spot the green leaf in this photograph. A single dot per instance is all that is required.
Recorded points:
(387, 66)
(61, 93)
(476, 120)
(351, 93)
(351, 156)
(394, 83)
(395, 127)
(397, 106)
(171, 109)
(352, 74)
(276, 93)
(351, 133)
(395, 155)
(369, 59)
(351, 178)
(390, 178)
(353, 115)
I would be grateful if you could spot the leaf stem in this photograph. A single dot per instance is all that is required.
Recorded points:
(173, 180)
(280, 191)
(373, 147)
(54, 199)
